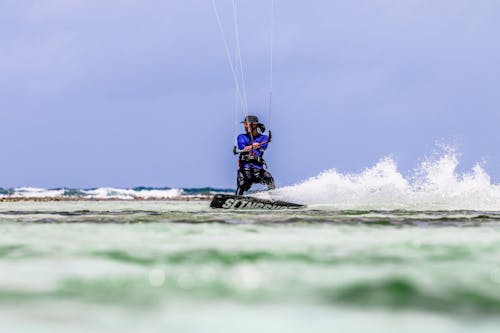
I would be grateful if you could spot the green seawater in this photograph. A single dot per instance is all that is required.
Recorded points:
(182, 267)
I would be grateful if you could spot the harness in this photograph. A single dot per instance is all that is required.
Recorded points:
(247, 158)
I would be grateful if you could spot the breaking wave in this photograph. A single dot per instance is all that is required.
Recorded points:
(435, 185)
(107, 193)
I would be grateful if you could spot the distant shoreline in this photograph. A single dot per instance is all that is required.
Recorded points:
(74, 199)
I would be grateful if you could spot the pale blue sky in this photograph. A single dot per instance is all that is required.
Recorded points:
(139, 92)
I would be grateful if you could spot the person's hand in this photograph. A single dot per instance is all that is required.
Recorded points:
(256, 145)
(248, 148)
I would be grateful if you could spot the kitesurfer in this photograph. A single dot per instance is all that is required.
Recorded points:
(251, 165)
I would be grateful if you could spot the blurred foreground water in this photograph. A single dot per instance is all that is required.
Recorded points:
(181, 267)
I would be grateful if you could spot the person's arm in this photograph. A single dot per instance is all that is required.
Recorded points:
(243, 143)
(263, 144)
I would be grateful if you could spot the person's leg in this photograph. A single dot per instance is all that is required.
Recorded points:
(266, 178)
(244, 181)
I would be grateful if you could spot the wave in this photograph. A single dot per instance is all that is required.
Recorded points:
(434, 185)
(263, 276)
(108, 193)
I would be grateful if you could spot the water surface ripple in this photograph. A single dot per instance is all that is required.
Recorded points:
(148, 263)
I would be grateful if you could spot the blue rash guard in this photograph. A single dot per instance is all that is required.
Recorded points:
(244, 140)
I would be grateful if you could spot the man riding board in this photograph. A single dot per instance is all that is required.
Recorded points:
(251, 147)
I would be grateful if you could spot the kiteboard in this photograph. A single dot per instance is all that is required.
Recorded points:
(227, 201)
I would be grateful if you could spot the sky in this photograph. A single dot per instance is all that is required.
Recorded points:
(139, 92)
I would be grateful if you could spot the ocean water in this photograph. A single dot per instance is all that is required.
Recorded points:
(373, 251)
(434, 185)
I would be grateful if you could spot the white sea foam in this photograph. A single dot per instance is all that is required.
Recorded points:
(99, 193)
(435, 185)
(130, 194)
(34, 192)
